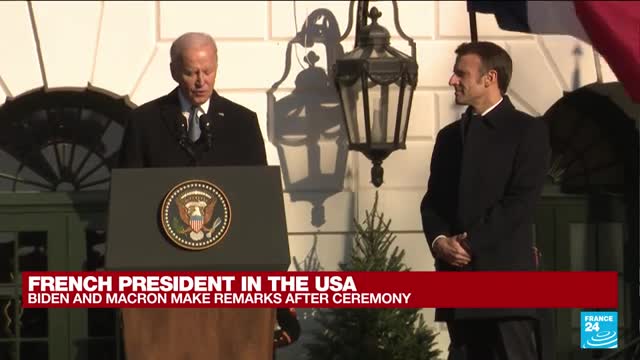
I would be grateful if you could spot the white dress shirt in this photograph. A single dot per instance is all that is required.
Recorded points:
(185, 107)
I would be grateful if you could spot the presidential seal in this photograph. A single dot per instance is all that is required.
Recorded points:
(195, 215)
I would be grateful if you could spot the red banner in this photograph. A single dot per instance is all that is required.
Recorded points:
(320, 289)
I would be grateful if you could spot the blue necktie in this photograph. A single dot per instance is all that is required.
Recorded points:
(194, 125)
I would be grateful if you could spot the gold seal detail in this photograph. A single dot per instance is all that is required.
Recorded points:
(195, 215)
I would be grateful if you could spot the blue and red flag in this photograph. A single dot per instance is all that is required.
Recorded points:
(611, 27)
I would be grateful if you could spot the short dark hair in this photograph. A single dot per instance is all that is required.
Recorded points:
(493, 57)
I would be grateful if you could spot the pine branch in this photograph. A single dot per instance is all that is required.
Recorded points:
(372, 334)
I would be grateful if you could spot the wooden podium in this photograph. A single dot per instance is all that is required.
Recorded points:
(255, 240)
(198, 334)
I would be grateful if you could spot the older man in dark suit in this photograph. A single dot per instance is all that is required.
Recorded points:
(192, 125)
(487, 172)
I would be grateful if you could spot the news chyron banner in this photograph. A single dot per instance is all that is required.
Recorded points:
(320, 289)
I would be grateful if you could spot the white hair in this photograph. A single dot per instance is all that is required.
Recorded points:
(188, 40)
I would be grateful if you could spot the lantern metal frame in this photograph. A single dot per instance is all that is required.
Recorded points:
(372, 71)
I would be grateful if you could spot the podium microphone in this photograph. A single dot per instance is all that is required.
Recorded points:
(183, 139)
(205, 126)
(182, 133)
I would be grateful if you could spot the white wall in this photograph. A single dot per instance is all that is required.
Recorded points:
(123, 47)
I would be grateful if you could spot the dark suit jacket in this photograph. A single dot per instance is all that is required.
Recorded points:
(152, 136)
(289, 331)
(487, 183)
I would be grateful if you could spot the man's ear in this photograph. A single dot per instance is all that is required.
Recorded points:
(173, 67)
(492, 77)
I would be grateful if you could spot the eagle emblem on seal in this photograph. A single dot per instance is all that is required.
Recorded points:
(195, 214)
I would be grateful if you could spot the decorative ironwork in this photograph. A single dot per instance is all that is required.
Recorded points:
(60, 140)
(376, 82)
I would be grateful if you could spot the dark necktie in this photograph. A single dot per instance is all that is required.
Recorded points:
(194, 125)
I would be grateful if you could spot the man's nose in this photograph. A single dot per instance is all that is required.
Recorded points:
(199, 79)
(453, 80)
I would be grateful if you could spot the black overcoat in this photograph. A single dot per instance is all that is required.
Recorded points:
(153, 137)
(486, 182)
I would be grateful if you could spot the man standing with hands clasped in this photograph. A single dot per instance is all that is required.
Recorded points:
(487, 172)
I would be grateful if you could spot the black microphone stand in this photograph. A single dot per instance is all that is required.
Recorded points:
(205, 127)
(183, 140)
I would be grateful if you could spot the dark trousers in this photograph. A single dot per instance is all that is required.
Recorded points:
(495, 339)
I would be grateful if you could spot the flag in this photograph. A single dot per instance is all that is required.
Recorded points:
(611, 27)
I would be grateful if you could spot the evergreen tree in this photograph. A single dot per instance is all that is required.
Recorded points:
(373, 334)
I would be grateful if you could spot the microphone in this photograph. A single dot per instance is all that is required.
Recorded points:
(207, 131)
(182, 133)
(183, 139)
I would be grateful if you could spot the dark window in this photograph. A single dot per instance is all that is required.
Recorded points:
(60, 140)
(594, 141)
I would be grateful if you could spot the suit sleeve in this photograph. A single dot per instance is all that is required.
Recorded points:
(519, 201)
(131, 154)
(255, 143)
(433, 221)
(289, 330)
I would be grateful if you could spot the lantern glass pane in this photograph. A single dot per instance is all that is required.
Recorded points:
(383, 108)
(404, 118)
(354, 112)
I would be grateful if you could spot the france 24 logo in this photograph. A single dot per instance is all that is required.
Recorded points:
(599, 330)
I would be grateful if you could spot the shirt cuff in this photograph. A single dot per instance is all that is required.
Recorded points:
(433, 244)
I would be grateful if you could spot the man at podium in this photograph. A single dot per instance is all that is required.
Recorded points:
(192, 125)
